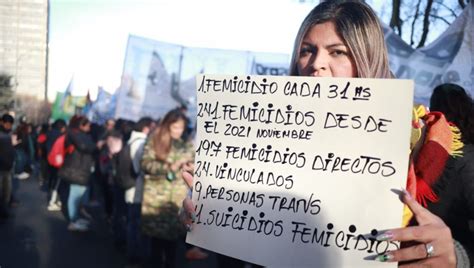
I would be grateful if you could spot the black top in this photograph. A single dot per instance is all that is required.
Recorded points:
(455, 189)
(77, 165)
(7, 151)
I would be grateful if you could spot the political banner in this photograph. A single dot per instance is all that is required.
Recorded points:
(448, 59)
(159, 76)
(102, 108)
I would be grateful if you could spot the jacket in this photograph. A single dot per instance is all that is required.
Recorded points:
(7, 151)
(455, 190)
(78, 165)
(164, 191)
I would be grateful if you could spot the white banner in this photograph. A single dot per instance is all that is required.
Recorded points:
(147, 79)
(448, 59)
(158, 77)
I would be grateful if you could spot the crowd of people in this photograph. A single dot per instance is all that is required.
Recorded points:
(130, 169)
(133, 169)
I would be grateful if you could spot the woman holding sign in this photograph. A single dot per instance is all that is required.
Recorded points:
(346, 40)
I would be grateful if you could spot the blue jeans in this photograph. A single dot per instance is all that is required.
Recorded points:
(74, 201)
(20, 161)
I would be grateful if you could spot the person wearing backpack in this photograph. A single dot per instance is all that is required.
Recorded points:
(58, 128)
(130, 179)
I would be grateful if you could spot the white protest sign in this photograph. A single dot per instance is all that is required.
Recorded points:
(300, 171)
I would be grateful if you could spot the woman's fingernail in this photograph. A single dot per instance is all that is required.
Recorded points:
(384, 257)
(188, 227)
(407, 194)
(193, 216)
(385, 236)
(190, 194)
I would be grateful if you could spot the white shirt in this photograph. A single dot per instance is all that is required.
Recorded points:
(137, 143)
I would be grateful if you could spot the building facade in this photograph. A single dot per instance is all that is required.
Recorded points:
(23, 45)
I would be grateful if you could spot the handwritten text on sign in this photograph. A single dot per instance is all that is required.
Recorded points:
(297, 171)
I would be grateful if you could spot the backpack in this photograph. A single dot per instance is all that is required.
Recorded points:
(124, 173)
(58, 152)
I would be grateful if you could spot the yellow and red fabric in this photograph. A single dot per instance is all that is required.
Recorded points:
(440, 140)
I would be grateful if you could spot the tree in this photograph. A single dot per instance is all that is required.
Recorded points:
(395, 21)
(413, 20)
(6, 92)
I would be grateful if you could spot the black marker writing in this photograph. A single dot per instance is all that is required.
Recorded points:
(310, 205)
(369, 124)
(302, 90)
(268, 115)
(237, 85)
(252, 176)
(363, 165)
(266, 154)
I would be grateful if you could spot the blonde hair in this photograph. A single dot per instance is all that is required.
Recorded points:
(360, 29)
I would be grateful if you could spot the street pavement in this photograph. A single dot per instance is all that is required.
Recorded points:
(33, 237)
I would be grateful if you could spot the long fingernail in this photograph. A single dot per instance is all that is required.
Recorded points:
(385, 236)
(193, 216)
(190, 194)
(384, 257)
(189, 227)
(407, 194)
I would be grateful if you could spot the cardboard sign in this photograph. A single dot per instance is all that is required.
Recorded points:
(300, 171)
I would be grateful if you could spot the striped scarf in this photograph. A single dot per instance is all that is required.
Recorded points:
(433, 141)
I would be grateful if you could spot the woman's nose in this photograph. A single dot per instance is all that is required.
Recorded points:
(320, 64)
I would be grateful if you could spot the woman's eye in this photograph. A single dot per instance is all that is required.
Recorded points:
(305, 51)
(339, 52)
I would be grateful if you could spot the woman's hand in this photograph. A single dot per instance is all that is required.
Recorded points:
(100, 144)
(431, 243)
(183, 164)
(15, 140)
(187, 212)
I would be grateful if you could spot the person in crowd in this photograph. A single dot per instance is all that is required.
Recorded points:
(7, 158)
(114, 144)
(98, 182)
(41, 153)
(109, 124)
(105, 178)
(77, 167)
(105, 174)
(125, 127)
(165, 153)
(345, 39)
(134, 194)
(58, 128)
(24, 151)
(455, 188)
(94, 189)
